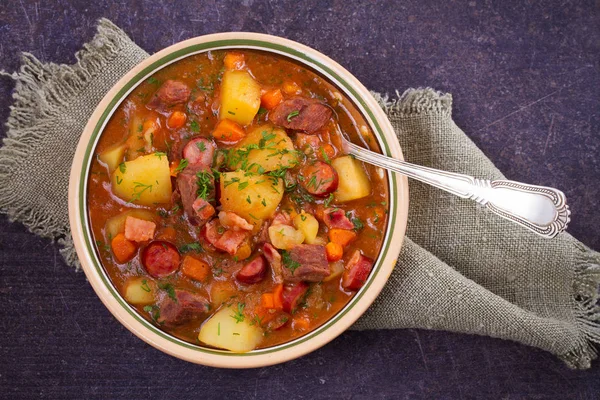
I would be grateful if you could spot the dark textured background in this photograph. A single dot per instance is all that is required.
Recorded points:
(525, 77)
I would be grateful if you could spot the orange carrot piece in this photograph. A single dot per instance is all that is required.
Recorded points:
(271, 98)
(176, 120)
(194, 268)
(266, 300)
(233, 61)
(122, 248)
(149, 124)
(278, 297)
(228, 131)
(341, 236)
(334, 251)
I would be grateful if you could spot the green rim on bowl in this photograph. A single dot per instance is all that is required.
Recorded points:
(172, 57)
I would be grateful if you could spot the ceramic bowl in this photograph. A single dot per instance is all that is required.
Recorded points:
(82, 236)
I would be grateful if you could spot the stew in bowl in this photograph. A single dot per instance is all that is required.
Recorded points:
(222, 208)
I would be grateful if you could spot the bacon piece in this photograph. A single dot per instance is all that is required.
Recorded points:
(336, 218)
(230, 241)
(139, 230)
(231, 220)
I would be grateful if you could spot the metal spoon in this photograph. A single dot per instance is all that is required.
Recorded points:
(542, 209)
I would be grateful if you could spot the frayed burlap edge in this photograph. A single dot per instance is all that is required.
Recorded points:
(42, 92)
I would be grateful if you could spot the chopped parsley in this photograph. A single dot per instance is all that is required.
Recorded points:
(153, 81)
(328, 200)
(183, 163)
(201, 146)
(191, 247)
(160, 154)
(154, 312)
(167, 287)
(288, 262)
(194, 126)
(206, 184)
(122, 167)
(291, 115)
(138, 189)
(145, 286)
(238, 314)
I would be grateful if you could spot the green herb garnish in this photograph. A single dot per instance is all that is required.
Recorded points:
(291, 115)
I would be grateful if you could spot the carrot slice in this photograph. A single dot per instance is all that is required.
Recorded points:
(176, 120)
(233, 61)
(271, 98)
(228, 131)
(266, 300)
(194, 268)
(334, 251)
(123, 249)
(341, 236)
(278, 297)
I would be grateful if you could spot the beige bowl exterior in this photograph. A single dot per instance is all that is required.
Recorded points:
(398, 208)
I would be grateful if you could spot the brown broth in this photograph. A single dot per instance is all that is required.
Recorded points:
(202, 72)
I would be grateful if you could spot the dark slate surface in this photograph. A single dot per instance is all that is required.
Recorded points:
(525, 77)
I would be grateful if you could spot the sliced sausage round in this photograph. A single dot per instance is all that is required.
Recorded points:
(292, 294)
(253, 272)
(320, 179)
(199, 153)
(357, 271)
(160, 258)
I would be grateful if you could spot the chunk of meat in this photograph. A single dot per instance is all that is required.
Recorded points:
(139, 230)
(188, 306)
(199, 154)
(198, 104)
(230, 241)
(274, 259)
(292, 295)
(197, 209)
(160, 258)
(231, 220)
(253, 272)
(336, 218)
(320, 179)
(305, 262)
(356, 271)
(301, 114)
(169, 94)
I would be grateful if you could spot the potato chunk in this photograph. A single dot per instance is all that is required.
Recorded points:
(275, 150)
(240, 97)
(139, 290)
(252, 197)
(230, 329)
(353, 180)
(285, 237)
(308, 225)
(145, 180)
(113, 156)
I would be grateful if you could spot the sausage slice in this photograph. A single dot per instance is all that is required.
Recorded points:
(320, 179)
(160, 258)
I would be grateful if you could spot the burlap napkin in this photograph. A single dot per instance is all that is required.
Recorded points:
(461, 269)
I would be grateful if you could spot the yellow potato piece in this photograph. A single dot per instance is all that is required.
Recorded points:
(308, 225)
(145, 180)
(139, 291)
(251, 196)
(353, 180)
(230, 329)
(285, 237)
(113, 156)
(275, 150)
(240, 97)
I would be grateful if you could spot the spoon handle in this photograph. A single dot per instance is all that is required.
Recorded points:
(542, 209)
